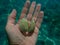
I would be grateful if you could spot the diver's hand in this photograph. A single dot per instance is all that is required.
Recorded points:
(13, 31)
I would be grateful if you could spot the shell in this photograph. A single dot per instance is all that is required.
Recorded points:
(25, 26)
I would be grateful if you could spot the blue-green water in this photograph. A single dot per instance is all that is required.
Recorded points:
(50, 30)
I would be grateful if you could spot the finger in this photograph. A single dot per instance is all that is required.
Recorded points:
(36, 31)
(39, 19)
(35, 34)
(12, 16)
(36, 12)
(29, 16)
(24, 11)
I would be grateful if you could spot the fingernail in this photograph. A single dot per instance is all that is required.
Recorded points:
(28, 1)
(13, 11)
(38, 4)
(42, 12)
(33, 3)
(27, 4)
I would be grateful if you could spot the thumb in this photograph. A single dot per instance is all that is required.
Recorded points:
(12, 16)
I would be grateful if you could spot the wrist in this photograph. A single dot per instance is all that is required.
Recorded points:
(29, 44)
(19, 43)
(16, 44)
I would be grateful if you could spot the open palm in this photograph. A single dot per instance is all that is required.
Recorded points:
(13, 30)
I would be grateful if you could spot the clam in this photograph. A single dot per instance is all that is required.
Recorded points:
(27, 26)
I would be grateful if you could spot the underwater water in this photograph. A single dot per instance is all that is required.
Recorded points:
(49, 33)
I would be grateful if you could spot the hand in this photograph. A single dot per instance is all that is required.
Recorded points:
(13, 31)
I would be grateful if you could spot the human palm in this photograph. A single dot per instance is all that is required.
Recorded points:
(16, 37)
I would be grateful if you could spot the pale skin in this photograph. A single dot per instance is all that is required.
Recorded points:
(13, 30)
